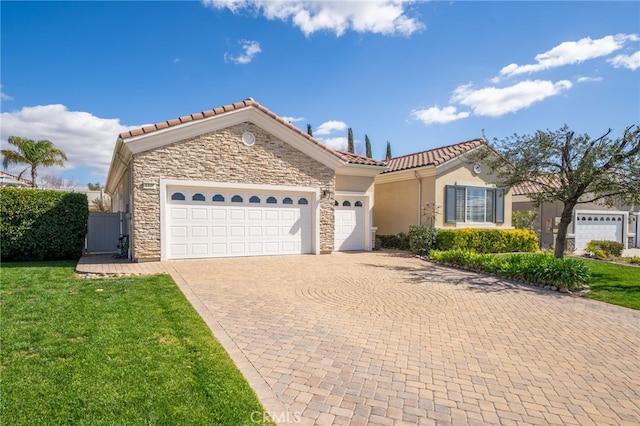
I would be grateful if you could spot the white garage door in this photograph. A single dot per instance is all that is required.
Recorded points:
(349, 224)
(589, 226)
(209, 223)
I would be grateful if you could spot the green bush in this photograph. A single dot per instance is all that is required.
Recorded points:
(400, 241)
(422, 239)
(42, 225)
(538, 268)
(487, 240)
(602, 248)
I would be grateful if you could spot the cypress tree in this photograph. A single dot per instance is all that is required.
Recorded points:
(367, 145)
(388, 156)
(350, 146)
(309, 131)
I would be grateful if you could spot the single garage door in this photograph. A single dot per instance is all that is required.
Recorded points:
(591, 226)
(209, 223)
(349, 224)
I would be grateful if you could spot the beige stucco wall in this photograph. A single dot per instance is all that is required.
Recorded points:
(222, 157)
(354, 183)
(396, 207)
(399, 204)
(461, 173)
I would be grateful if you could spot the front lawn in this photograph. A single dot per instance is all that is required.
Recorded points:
(614, 283)
(111, 351)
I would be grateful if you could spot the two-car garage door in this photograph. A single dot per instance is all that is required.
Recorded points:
(225, 223)
(221, 222)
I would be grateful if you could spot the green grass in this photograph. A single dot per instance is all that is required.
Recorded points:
(111, 352)
(614, 283)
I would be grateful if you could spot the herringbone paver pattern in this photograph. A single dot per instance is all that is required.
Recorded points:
(383, 338)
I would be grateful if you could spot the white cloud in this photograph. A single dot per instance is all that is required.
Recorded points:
(387, 17)
(626, 61)
(435, 115)
(329, 127)
(571, 52)
(87, 140)
(494, 101)
(293, 119)
(339, 143)
(250, 47)
(583, 79)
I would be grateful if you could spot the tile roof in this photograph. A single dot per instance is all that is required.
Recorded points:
(249, 102)
(526, 188)
(432, 157)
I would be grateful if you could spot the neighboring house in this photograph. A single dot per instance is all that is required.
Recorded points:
(7, 179)
(591, 221)
(462, 189)
(238, 181)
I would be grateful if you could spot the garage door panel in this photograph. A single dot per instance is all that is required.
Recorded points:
(237, 248)
(255, 215)
(255, 231)
(219, 214)
(218, 231)
(236, 231)
(199, 231)
(224, 228)
(349, 224)
(178, 250)
(178, 213)
(199, 214)
(199, 249)
(179, 231)
(272, 215)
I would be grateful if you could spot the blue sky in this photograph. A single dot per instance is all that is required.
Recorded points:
(417, 74)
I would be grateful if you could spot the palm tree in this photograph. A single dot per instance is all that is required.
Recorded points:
(33, 153)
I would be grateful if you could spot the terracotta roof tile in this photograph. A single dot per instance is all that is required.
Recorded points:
(249, 102)
(432, 157)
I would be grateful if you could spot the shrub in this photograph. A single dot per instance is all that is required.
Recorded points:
(603, 249)
(635, 260)
(422, 239)
(487, 240)
(538, 268)
(400, 241)
(42, 225)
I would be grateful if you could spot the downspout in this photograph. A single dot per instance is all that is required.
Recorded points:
(419, 197)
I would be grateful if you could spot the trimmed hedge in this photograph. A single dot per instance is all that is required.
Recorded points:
(487, 240)
(42, 225)
(400, 241)
(538, 268)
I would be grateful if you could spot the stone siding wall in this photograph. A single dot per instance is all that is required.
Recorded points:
(222, 157)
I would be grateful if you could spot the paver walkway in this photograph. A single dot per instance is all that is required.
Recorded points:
(383, 338)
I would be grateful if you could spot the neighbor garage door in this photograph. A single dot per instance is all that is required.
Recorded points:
(591, 226)
(349, 224)
(210, 223)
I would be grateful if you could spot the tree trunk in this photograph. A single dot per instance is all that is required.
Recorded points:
(565, 220)
(34, 176)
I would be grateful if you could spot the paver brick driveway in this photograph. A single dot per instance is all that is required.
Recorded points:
(384, 338)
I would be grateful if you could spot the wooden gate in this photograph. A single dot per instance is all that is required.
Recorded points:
(103, 232)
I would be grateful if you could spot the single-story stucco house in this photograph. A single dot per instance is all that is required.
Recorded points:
(591, 221)
(238, 181)
(462, 189)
